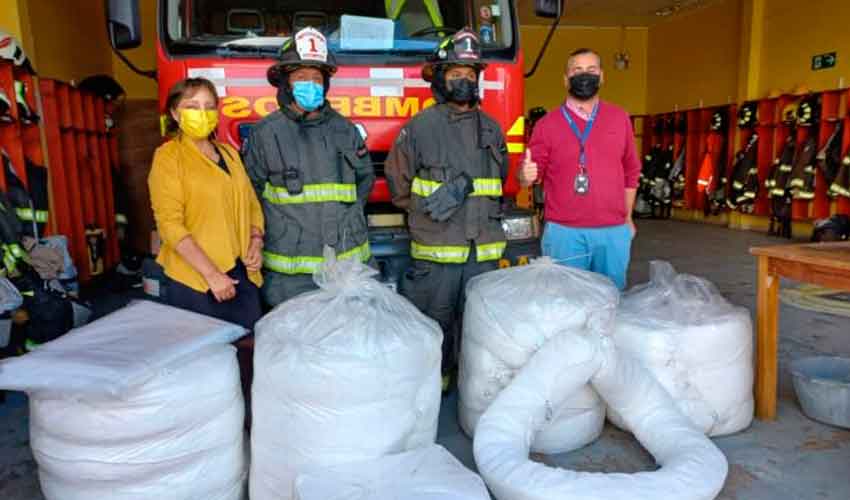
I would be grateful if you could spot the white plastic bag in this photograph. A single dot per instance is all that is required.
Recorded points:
(429, 473)
(695, 343)
(511, 313)
(144, 403)
(348, 373)
(692, 467)
(10, 297)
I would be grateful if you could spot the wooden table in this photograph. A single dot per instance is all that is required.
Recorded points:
(823, 264)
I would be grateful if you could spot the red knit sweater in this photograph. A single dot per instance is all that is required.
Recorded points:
(612, 165)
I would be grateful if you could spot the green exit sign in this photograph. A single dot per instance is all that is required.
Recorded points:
(823, 61)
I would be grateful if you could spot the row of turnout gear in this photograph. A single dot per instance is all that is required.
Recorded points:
(312, 173)
(745, 178)
(446, 169)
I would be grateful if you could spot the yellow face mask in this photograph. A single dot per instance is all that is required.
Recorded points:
(198, 123)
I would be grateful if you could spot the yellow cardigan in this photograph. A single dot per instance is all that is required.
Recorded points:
(191, 195)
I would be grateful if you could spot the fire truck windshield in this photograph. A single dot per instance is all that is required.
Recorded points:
(355, 29)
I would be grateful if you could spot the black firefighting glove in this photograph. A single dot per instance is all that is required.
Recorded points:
(445, 201)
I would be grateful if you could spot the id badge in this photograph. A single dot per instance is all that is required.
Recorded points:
(582, 182)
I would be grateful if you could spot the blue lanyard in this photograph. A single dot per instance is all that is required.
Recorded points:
(581, 136)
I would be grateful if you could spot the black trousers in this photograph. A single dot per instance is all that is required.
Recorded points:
(244, 309)
(439, 291)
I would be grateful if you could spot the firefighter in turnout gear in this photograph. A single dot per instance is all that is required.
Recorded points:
(311, 170)
(446, 169)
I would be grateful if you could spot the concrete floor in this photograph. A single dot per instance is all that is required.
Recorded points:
(793, 458)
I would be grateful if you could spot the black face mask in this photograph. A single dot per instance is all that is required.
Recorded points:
(462, 91)
(584, 85)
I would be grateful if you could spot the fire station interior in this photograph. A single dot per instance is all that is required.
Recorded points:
(721, 369)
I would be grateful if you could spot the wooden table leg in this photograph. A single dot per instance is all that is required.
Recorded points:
(767, 364)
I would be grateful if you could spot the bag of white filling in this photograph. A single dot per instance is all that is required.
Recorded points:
(144, 403)
(348, 373)
(695, 343)
(509, 314)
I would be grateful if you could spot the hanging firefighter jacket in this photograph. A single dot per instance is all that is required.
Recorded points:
(776, 184)
(712, 175)
(677, 176)
(801, 183)
(782, 166)
(647, 175)
(711, 180)
(661, 191)
(841, 185)
(829, 158)
(744, 187)
(10, 235)
(31, 206)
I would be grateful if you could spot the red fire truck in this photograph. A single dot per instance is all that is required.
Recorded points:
(380, 47)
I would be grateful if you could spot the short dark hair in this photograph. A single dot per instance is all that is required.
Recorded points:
(184, 88)
(580, 52)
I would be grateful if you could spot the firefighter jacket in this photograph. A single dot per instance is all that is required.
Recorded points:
(677, 176)
(10, 233)
(312, 176)
(802, 178)
(782, 166)
(31, 205)
(436, 146)
(745, 183)
(829, 160)
(841, 185)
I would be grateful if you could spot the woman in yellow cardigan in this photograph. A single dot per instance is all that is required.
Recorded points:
(206, 212)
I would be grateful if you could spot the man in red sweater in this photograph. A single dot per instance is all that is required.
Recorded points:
(584, 153)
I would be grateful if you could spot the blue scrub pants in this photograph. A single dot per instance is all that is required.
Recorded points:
(603, 250)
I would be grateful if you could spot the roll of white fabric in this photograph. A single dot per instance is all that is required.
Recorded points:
(692, 467)
(509, 314)
(695, 343)
(344, 374)
(157, 412)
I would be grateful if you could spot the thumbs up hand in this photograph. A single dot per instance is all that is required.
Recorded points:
(527, 170)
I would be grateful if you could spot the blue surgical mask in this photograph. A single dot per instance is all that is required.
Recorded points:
(308, 95)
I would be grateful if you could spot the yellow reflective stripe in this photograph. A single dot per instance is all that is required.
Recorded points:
(362, 253)
(518, 128)
(393, 8)
(487, 187)
(434, 12)
(441, 254)
(307, 264)
(424, 187)
(483, 186)
(291, 265)
(516, 147)
(29, 214)
(16, 250)
(312, 193)
(121, 218)
(490, 251)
